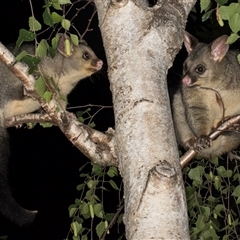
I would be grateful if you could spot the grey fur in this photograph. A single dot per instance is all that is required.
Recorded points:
(199, 104)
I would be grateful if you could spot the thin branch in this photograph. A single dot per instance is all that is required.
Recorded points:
(112, 222)
(190, 154)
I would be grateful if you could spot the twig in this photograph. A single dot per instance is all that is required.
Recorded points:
(112, 222)
(186, 158)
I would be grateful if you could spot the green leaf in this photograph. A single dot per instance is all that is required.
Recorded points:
(234, 8)
(34, 25)
(234, 22)
(219, 208)
(92, 125)
(76, 227)
(47, 96)
(81, 119)
(72, 211)
(200, 224)
(76, 237)
(190, 192)
(221, 2)
(100, 229)
(205, 211)
(68, 47)
(80, 186)
(47, 19)
(92, 184)
(112, 171)
(221, 171)
(210, 234)
(236, 191)
(42, 48)
(56, 18)
(84, 237)
(98, 210)
(114, 185)
(109, 216)
(55, 41)
(214, 161)
(66, 24)
(224, 12)
(97, 169)
(232, 38)
(217, 183)
(40, 86)
(32, 62)
(74, 39)
(238, 57)
(207, 15)
(196, 173)
(46, 124)
(204, 4)
(21, 55)
(25, 35)
(56, 4)
(91, 210)
(84, 208)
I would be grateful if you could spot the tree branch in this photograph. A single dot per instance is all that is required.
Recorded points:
(191, 153)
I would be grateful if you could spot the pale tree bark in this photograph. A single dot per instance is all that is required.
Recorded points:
(140, 44)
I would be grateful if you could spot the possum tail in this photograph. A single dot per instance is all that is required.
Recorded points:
(9, 208)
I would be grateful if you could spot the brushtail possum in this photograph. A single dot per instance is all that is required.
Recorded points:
(209, 93)
(66, 71)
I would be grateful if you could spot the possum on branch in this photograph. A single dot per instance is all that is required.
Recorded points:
(209, 94)
(67, 71)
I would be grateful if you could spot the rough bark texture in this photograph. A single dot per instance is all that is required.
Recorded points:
(141, 43)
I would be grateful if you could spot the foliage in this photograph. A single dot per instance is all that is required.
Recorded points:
(226, 12)
(88, 209)
(213, 198)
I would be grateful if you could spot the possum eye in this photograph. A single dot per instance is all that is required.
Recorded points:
(86, 56)
(200, 69)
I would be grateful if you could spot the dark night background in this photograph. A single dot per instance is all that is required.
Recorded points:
(44, 165)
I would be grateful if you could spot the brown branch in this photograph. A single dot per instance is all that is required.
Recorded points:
(112, 222)
(190, 154)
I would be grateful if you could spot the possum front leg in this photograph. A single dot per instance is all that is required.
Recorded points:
(19, 107)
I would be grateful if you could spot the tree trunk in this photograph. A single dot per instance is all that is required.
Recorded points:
(141, 43)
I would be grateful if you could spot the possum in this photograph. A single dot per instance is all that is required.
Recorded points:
(209, 94)
(66, 72)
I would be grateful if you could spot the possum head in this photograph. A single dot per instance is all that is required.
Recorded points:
(204, 62)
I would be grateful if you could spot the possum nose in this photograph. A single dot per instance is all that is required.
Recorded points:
(99, 64)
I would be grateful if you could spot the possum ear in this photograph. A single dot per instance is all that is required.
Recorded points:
(65, 46)
(82, 41)
(219, 48)
(190, 42)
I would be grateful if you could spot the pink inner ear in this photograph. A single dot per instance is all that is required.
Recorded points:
(187, 42)
(219, 48)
